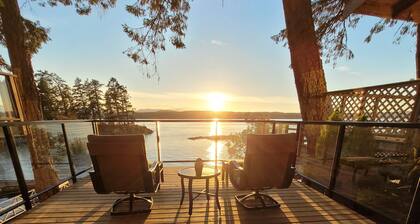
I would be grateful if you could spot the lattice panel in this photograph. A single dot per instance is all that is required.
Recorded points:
(386, 103)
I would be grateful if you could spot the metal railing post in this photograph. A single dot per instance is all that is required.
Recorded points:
(11, 145)
(159, 155)
(216, 142)
(94, 128)
(414, 215)
(299, 138)
(336, 159)
(273, 130)
(69, 158)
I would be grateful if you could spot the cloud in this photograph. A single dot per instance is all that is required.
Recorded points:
(347, 70)
(343, 68)
(217, 42)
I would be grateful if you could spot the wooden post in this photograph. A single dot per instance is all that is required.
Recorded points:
(16, 97)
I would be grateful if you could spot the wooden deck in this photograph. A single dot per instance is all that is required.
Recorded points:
(299, 204)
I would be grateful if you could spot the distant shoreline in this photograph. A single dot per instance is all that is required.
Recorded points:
(214, 138)
(172, 114)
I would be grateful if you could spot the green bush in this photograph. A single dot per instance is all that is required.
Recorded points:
(78, 146)
(236, 144)
(359, 141)
(327, 137)
(123, 128)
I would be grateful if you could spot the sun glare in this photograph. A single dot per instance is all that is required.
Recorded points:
(216, 101)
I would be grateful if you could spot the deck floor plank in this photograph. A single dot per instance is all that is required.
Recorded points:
(299, 204)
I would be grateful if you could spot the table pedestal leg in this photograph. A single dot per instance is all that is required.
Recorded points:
(183, 191)
(190, 196)
(207, 189)
(217, 192)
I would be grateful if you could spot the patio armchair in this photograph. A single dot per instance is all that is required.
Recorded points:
(120, 166)
(269, 162)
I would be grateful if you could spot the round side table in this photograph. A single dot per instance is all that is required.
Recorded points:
(207, 174)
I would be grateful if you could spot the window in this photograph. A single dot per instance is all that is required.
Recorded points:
(7, 105)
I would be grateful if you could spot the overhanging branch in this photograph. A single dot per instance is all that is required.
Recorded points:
(351, 6)
(402, 6)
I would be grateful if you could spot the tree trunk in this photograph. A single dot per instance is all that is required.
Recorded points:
(418, 53)
(307, 66)
(305, 58)
(20, 60)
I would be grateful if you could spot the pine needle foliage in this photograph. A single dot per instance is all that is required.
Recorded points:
(332, 29)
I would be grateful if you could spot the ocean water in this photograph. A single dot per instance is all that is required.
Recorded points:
(174, 141)
(175, 144)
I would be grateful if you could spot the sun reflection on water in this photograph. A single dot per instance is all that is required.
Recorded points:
(215, 129)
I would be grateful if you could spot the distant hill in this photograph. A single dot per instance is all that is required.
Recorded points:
(171, 114)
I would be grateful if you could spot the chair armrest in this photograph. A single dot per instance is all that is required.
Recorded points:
(237, 175)
(153, 176)
(154, 166)
(235, 165)
(290, 174)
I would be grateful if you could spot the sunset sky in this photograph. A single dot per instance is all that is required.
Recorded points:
(229, 51)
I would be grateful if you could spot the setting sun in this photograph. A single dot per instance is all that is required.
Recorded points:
(216, 101)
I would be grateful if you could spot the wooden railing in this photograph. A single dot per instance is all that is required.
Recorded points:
(396, 102)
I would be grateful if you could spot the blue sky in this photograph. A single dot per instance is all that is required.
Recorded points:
(228, 50)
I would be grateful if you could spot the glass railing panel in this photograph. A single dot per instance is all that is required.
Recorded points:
(9, 188)
(150, 138)
(77, 138)
(316, 152)
(192, 140)
(379, 171)
(233, 139)
(284, 128)
(42, 155)
(20, 137)
(148, 129)
(187, 140)
(44, 148)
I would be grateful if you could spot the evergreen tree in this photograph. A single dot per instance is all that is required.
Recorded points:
(80, 106)
(117, 101)
(84, 101)
(46, 99)
(111, 95)
(65, 99)
(94, 97)
(55, 96)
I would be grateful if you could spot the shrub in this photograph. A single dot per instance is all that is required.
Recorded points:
(327, 137)
(359, 141)
(123, 128)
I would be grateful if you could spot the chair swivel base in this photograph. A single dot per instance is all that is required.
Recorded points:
(134, 203)
(256, 200)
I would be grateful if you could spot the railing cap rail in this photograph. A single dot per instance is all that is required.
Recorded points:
(279, 121)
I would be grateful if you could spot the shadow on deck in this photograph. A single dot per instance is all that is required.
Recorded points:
(80, 204)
